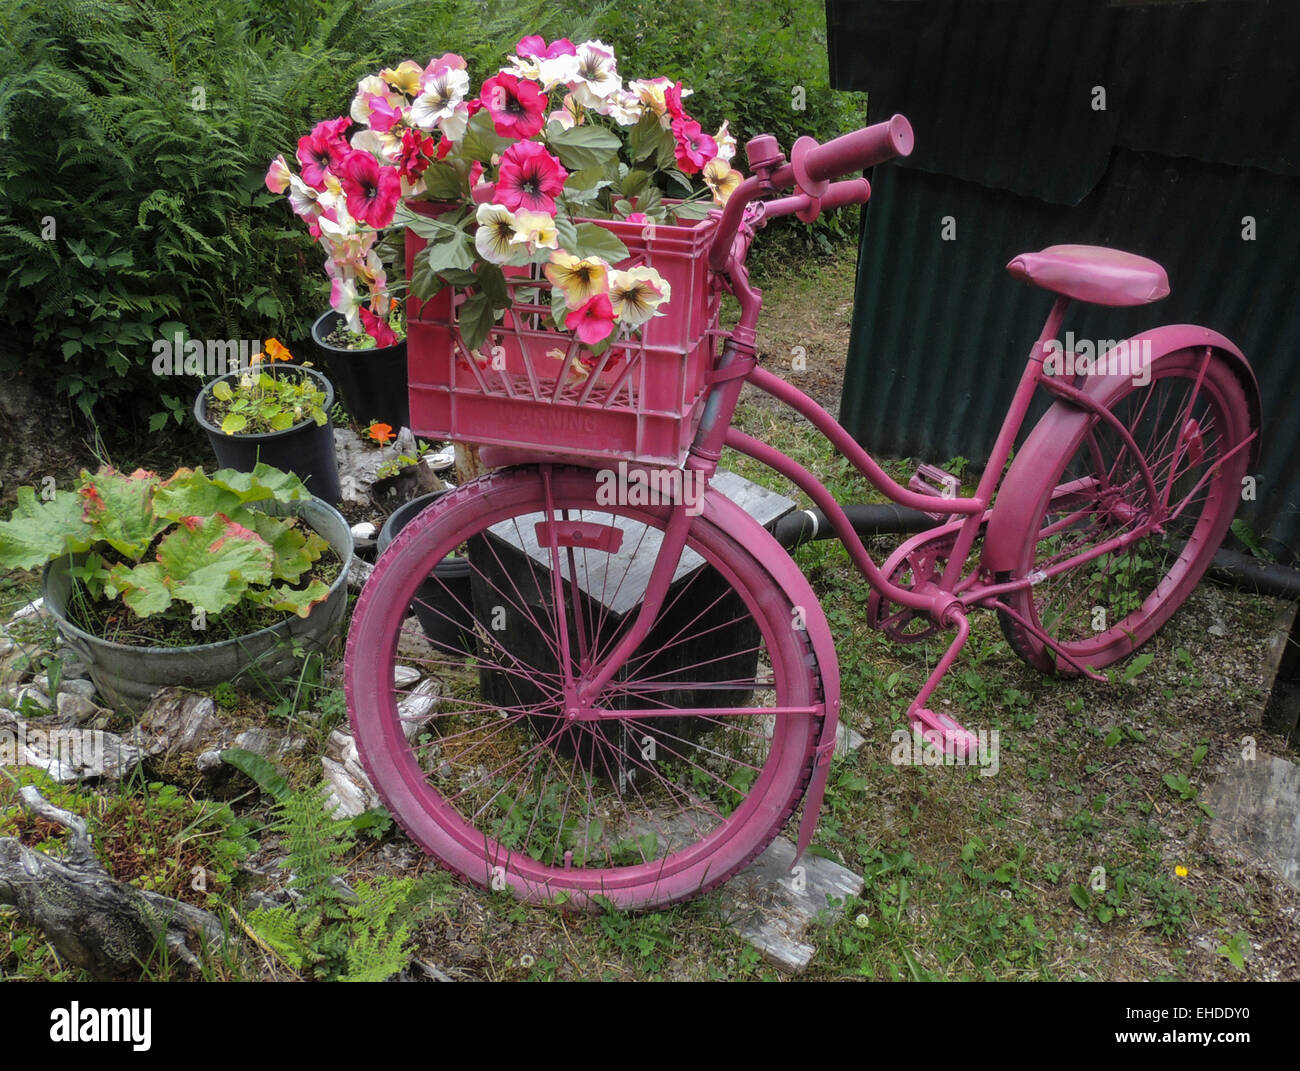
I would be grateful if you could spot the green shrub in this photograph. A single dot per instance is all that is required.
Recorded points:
(135, 134)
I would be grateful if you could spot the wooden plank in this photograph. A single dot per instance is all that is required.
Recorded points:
(1256, 808)
(774, 908)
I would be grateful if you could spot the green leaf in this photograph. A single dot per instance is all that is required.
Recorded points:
(595, 241)
(39, 532)
(559, 307)
(647, 137)
(295, 550)
(566, 233)
(258, 769)
(122, 510)
(1081, 897)
(144, 587)
(1199, 754)
(452, 250)
(281, 421)
(442, 180)
(491, 280)
(582, 147)
(634, 182)
(481, 141)
(213, 563)
(475, 318)
(282, 597)
(222, 391)
(233, 423)
(1114, 737)
(692, 209)
(1137, 666)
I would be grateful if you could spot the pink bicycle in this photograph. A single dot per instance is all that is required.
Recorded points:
(640, 688)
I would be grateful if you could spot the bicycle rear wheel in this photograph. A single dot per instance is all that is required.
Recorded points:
(496, 781)
(1102, 610)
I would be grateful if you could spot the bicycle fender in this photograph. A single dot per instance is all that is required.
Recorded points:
(1017, 505)
(732, 518)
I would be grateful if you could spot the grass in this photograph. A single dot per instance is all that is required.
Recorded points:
(1087, 855)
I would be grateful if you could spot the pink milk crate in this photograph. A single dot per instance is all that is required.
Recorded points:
(641, 400)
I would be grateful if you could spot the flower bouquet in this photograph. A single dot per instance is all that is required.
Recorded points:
(551, 218)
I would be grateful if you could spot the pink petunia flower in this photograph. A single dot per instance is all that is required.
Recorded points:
(673, 101)
(518, 106)
(592, 321)
(372, 191)
(383, 114)
(278, 175)
(322, 150)
(530, 177)
(694, 148)
(534, 46)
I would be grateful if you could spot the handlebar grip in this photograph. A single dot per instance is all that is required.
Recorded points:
(856, 151)
(837, 195)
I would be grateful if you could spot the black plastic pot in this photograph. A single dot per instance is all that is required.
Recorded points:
(371, 383)
(446, 600)
(306, 449)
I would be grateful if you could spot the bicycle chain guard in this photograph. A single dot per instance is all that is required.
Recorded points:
(913, 565)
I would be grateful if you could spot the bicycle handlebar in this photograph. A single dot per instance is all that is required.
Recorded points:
(810, 168)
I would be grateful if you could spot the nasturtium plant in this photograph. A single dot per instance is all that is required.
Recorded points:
(192, 539)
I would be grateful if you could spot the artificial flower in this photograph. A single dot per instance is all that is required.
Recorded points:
(580, 280)
(597, 74)
(721, 178)
(405, 77)
(694, 148)
(417, 151)
(518, 107)
(372, 191)
(494, 238)
(726, 142)
(636, 295)
(380, 433)
(592, 321)
(278, 175)
(536, 230)
(345, 300)
(321, 151)
(529, 177)
(377, 328)
(440, 92)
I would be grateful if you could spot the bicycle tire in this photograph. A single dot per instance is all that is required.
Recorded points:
(1101, 613)
(722, 822)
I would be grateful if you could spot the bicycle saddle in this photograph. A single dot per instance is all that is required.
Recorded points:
(1093, 273)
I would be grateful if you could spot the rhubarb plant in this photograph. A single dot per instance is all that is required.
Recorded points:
(193, 539)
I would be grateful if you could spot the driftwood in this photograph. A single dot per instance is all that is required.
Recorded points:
(95, 922)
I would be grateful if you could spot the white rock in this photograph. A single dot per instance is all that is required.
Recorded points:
(77, 686)
(81, 710)
(177, 720)
(363, 530)
(405, 676)
(358, 573)
(348, 796)
(32, 609)
(35, 694)
(416, 708)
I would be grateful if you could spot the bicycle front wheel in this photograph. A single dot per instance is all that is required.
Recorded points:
(1185, 422)
(494, 777)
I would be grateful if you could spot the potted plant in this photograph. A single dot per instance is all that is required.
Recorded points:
(273, 413)
(187, 581)
(512, 182)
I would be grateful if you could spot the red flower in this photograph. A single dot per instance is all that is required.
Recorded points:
(593, 320)
(518, 106)
(323, 150)
(694, 148)
(377, 328)
(417, 151)
(372, 190)
(530, 177)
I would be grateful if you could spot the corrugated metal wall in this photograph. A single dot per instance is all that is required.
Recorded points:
(1200, 130)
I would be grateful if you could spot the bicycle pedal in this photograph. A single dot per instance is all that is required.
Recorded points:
(949, 736)
(934, 481)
